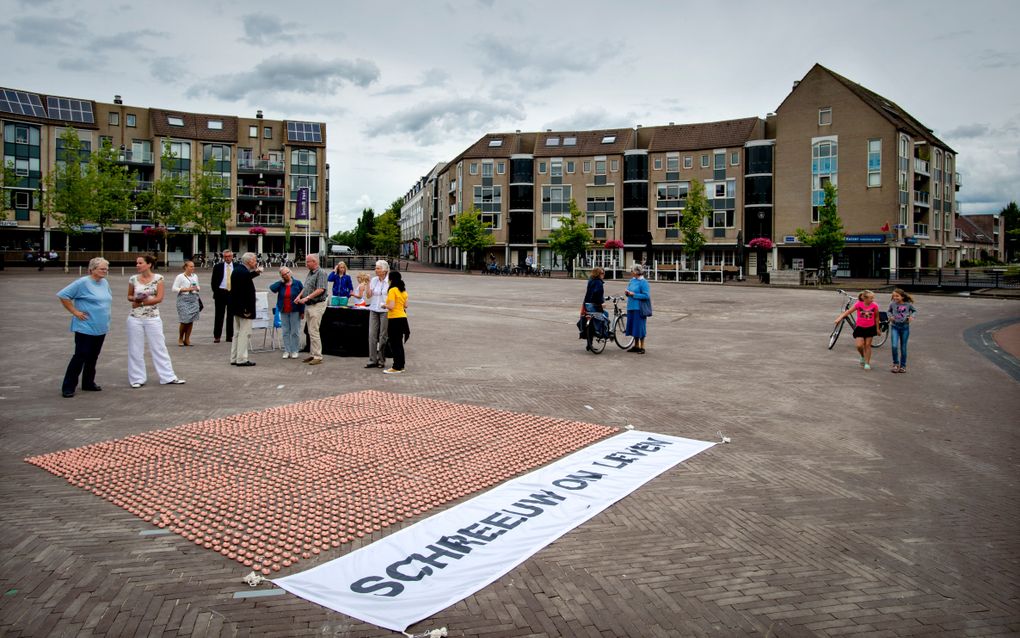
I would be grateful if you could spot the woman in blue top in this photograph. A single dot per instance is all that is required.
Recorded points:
(342, 284)
(639, 307)
(89, 300)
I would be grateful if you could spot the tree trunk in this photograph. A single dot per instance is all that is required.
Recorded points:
(67, 253)
(102, 241)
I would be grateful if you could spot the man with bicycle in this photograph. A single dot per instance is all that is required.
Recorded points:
(594, 299)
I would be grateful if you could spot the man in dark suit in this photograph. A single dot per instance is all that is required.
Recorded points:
(221, 296)
(242, 306)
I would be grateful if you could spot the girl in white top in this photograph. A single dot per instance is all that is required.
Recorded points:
(145, 292)
(188, 302)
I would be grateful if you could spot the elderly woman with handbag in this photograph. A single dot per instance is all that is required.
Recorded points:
(639, 308)
(189, 303)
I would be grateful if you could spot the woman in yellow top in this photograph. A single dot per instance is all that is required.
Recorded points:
(396, 317)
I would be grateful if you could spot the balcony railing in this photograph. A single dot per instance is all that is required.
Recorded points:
(260, 219)
(921, 230)
(135, 157)
(141, 186)
(921, 167)
(255, 192)
(267, 165)
(922, 198)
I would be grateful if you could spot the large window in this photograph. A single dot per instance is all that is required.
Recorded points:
(669, 219)
(824, 170)
(555, 204)
(219, 156)
(672, 163)
(21, 148)
(489, 200)
(556, 168)
(671, 194)
(304, 173)
(601, 207)
(487, 169)
(874, 163)
(180, 165)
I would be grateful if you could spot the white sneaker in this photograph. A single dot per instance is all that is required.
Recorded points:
(286, 355)
(293, 355)
(392, 371)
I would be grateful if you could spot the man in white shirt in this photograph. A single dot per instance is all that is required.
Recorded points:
(221, 296)
(377, 323)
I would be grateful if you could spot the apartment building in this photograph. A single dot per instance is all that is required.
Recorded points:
(413, 226)
(981, 237)
(764, 177)
(264, 165)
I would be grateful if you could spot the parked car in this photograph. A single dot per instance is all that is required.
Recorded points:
(340, 249)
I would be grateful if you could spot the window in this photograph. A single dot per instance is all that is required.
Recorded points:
(105, 141)
(704, 161)
(267, 132)
(570, 166)
(671, 194)
(489, 201)
(657, 164)
(487, 169)
(609, 139)
(720, 190)
(688, 162)
(874, 163)
(552, 141)
(668, 219)
(600, 166)
(586, 166)
(556, 168)
(500, 168)
(824, 170)
(114, 119)
(735, 158)
(720, 219)
(720, 160)
(495, 143)
(473, 168)
(614, 165)
(302, 157)
(541, 168)
(215, 125)
(570, 141)
(131, 119)
(672, 164)
(173, 120)
(253, 131)
(555, 204)
(825, 116)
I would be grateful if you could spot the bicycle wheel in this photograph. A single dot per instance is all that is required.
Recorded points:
(881, 337)
(620, 333)
(835, 334)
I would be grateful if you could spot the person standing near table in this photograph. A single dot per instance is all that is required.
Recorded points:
(89, 300)
(287, 291)
(378, 287)
(145, 327)
(221, 296)
(342, 284)
(396, 321)
(242, 305)
(312, 296)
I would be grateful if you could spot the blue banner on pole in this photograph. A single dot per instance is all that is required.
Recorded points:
(302, 204)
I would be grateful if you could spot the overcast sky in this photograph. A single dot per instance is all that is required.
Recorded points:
(403, 85)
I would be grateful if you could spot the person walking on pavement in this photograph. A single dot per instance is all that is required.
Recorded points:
(378, 288)
(242, 305)
(312, 296)
(89, 300)
(221, 296)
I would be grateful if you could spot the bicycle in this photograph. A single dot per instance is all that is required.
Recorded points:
(883, 323)
(617, 331)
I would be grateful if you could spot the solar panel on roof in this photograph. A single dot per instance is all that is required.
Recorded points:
(62, 108)
(304, 132)
(21, 103)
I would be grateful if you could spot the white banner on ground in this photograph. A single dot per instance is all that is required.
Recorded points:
(422, 569)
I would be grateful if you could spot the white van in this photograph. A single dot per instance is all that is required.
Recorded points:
(340, 249)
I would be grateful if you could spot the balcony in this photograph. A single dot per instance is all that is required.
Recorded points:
(259, 192)
(921, 167)
(141, 186)
(250, 165)
(922, 198)
(957, 181)
(260, 218)
(921, 231)
(135, 157)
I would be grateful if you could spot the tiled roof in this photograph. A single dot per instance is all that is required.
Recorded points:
(971, 231)
(708, 135)
(196, 126)
(888, 109)
(586, 143)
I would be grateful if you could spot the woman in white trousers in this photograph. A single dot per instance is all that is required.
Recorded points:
(144, 326)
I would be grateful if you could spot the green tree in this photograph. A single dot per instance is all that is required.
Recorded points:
(67, 196)
(111, 185)
(571, 237)
(286, 237)
(8, 179)
(828, 238)
(164, 201)
(363, 231)
(1010, 216)
(344, 238)
(386, 238)
(209, 208)
(696, 210)
(470, 234)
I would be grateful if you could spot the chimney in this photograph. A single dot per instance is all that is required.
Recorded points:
(638, 126)
(795, 83)
(518, 131)
(548, 130)
(258, 114)
(671, 123)
(117, 100)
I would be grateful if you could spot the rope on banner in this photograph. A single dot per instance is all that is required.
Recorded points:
(432, 633)
(723, 439)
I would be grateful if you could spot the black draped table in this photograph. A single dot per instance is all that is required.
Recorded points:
(344, 332)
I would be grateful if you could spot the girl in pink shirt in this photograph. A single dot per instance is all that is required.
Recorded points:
(867, 324)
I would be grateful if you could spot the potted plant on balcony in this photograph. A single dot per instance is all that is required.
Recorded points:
(761, 245)
(257, 230)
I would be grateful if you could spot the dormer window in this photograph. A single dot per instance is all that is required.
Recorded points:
(215, 125)
(608, 139)
(173, 120)
(570, 141)
(495, 143)
(552, 141)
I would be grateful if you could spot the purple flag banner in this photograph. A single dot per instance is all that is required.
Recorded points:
(302, 204)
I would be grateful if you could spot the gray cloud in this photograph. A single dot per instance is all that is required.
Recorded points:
(432, 78)
(300, 74)
(261, 28)
(433, 122)
(596, 118)
(168, 69)
(126, 41)
(46, 32)
(538, 63)
(995, 59)
(965, 131)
